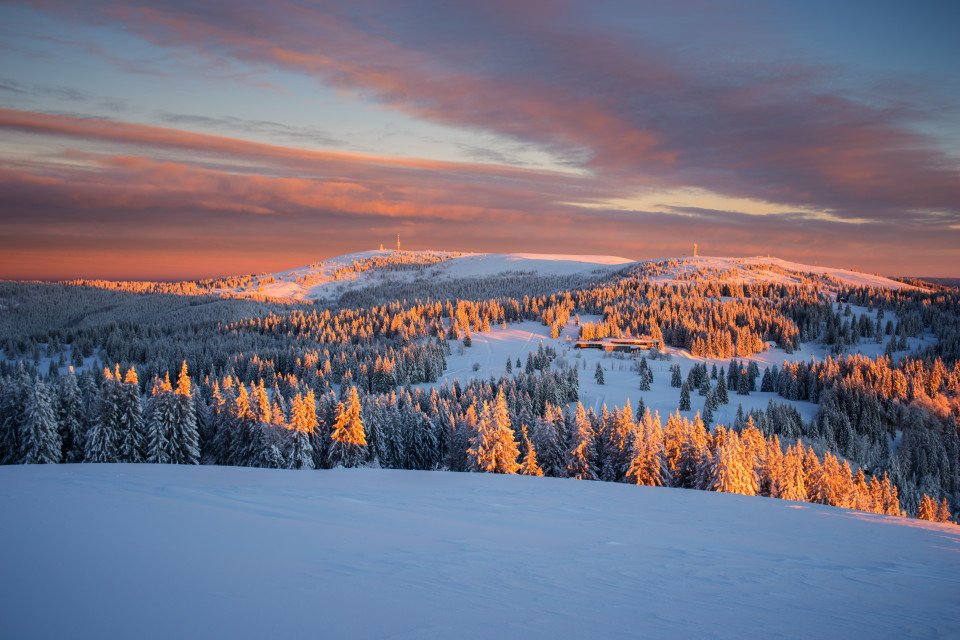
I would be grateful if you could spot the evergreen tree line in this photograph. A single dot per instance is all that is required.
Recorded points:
(508, 425)
(915, 309)
(73, 420)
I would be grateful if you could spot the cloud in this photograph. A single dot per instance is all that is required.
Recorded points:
(820, 158)
(619, 103)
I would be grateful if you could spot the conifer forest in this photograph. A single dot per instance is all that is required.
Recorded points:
(221, 372)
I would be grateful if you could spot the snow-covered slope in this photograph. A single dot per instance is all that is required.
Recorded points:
(330, 278)
(762, 269)
(152, 551)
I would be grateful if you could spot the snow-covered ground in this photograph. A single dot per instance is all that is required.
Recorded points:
(767, 269)
(315, 281)
(489, 352)
(155, 551)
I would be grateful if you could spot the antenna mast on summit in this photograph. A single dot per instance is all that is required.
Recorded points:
(694, 249)
(398, 242)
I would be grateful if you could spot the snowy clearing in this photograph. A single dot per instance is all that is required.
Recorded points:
(489, 352)
(151, 551)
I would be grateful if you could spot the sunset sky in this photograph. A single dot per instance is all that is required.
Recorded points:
(171, 140)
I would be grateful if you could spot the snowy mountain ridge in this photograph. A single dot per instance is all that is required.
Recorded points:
(330, 278)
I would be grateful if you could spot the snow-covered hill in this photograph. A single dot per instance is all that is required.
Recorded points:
(762, 269)
(152, 551)
(329, 279)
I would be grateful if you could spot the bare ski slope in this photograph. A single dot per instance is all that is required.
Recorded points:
(152, 551)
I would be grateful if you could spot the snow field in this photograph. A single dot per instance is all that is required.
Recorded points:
(156, 551)
(456, 266)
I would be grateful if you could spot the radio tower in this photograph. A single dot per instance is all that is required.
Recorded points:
(398, 242)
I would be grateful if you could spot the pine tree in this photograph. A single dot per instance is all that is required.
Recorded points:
(943, 514)
(721, 389)
(303, 421)
(644, 381)
(581, 455)
(928, 509)
(766, 383)
(132, 428)
(494, 449)
(161, 435)
(326, 412)
(549, 442)
(648, 464)
(684, 398)
(792, 483)
(40, 441)
(826, 482)
(186, 437)
(676, 380)
(730, 471)
(599, 374)
(70, 418)
(465, 429)
(617, 442)
(704, 388)
(529, 466)
(103, 440)
(348, 443)
(743, 384)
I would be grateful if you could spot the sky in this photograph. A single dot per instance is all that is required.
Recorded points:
(181, 140)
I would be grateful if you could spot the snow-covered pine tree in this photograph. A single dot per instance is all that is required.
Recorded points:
(648, 464)
(161, 432)
(730, 471)
(131, 425)
(618, 444)
(549, 442)
(494, 447)
(825, 482)
(13, 391)
(723, 397)
(581, 454)
(598, 374)
(529, 466)
(943, 513)
(348, 443)
(928, 509)
(187, 436)
(326, 412)
(465, 428)
(70, 418)
(684, 404)
(676, 379)
(40, 441)
(766, 383)
(303, 420)
(102, 443)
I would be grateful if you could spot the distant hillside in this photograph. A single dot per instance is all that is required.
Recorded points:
(327, 280)
(762, 269)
